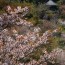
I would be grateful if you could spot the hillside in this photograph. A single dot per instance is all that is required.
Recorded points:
(32, 34)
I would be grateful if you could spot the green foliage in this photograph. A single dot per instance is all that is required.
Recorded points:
(3, 3)
(58, 34)
(37, 53)
(2, 11)
(49, 48)
(36, 56)
(62, 28)
(36, 13)
(61, 43)
(50, 13)
(60, 2)
(36, 10)
(53, 43)
(25, 60)
(28, 16)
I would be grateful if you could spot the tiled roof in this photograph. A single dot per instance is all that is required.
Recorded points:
(50, 2)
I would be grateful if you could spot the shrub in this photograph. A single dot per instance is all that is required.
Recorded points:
(25, 60)
(28, 16)
(58, 34)
(3, 3)
(61, 43)
(36, 56)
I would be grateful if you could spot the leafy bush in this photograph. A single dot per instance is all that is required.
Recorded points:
(37, 10)
(35, 56)
(28, 16)
(25, 60)
(58, 34)
(3, 3)
(47, 26)
(36, 53)
(61, 43)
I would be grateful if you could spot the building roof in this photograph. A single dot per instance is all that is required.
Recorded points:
(50, 2)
